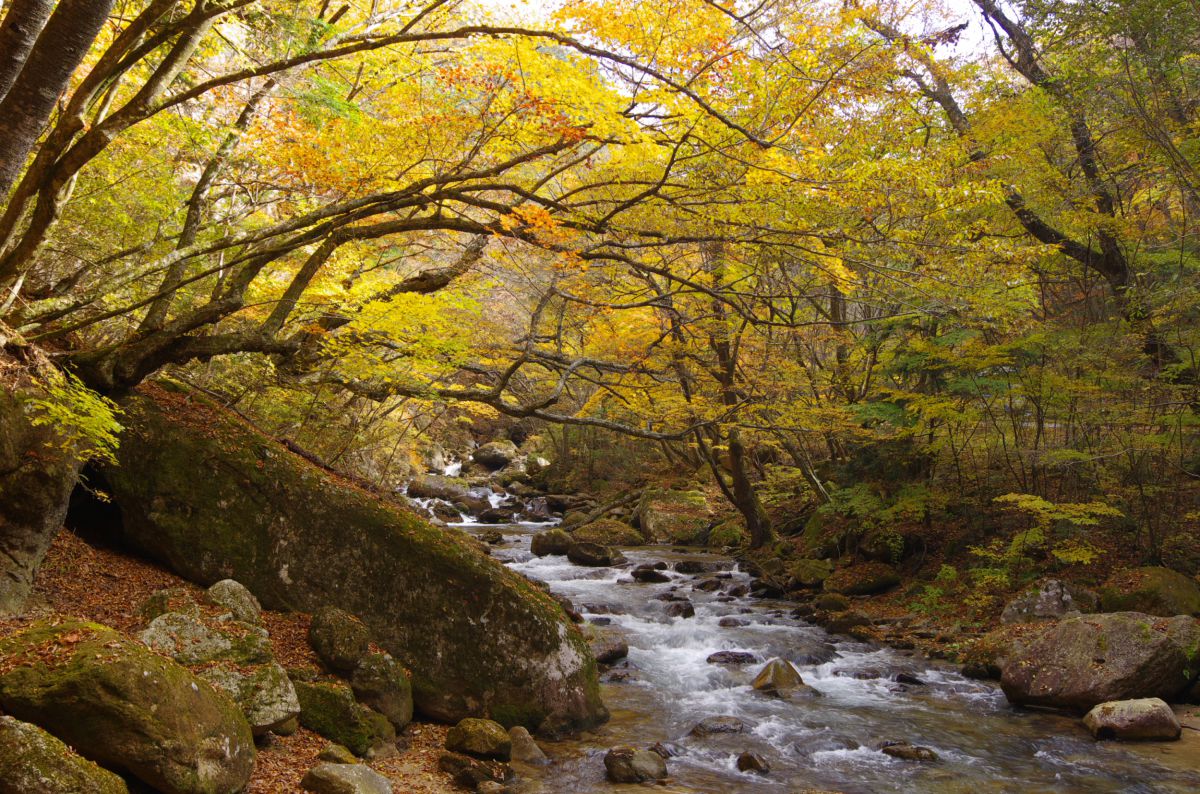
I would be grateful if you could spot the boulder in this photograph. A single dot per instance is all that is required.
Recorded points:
(1151, 590)
(608, 648)
(339, 639)
(1079, 662)
(590, 554)
(524, 748)
(1050, 600)
(832, 602)
(731, 657)
(263, 692)
(753, 762)
(34, 762)
(123, 706)
(712, 725)
(329, 709)
(1141, 719)
(345, 779)
(780, 679)
(190, 641)
(630, 765)
(496, 454)
(240, 602)
(863, 579)
(648, 574)
(808, 574)
(206, 494)
(550, 541)
(680, 517)
(471, 772)
(681, 609)
(336, 754)
(480, 738)
(608, 532)
(909, 752)
(381, 683)
(435, 486)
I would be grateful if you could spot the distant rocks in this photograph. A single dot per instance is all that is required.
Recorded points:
(862, 579)
(649, 574)
(1152, 591)
(1051, 600)
(496, 454)
(1137, 720)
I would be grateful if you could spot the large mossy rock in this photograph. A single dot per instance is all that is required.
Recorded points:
(37, 473)
(1082, 661)
(380, 682)
(126, 707)
(34, 762)
(863, 579)
(609, 532)
(674, 516)
(1152, 590)
(214, 499)
(329, 708)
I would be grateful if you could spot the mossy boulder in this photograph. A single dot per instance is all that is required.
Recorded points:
(263, 692)
(551, 542)
(1082, 661)
(825, 534)
(329, 709)
(214, 499)
(480, 738)
(1151, 590)
(125, 707)
(235, 597)
(189, 640)
(729, 533)
(609, 532)
(496, 454)
(863, 579)
(381, 683)
(668, 516)
(339, 639)
(34, 762)
(809, 574)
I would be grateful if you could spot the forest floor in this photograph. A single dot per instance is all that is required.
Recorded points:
(107, 586)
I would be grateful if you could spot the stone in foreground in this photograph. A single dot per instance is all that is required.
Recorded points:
(329, 709)
(480, 738)
(123, 706)
(630, 765)
(345, 779)
(524, 748)
(780, 679)
(34, 762)
(1082, 661)
(1144, 719)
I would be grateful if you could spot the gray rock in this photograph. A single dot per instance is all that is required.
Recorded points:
(550, 541)
(336, 754)
(264, 693)
(34, 762)
(630, 765)
(909, 752)
(731, 657)
(590, 554)
(753, 762)
(188, 640)
(1082, 661)
(1049, 601)
(681, 609)
(471, 772)
(340, 639)
(345, 779)
(712, 725)
(381, 683)
(1141, 719)
(237, 599)
(524, 748)
(608, 648)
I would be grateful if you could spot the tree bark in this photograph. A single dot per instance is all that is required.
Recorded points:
(18, 33)
(44, 75)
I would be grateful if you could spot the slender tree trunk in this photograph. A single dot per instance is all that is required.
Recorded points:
(18, 33)
(44, 75)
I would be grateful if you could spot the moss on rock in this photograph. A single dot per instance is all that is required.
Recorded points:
(329, 708)
(34, 762)
(863, 579)
(609, 532)
(214, 499)
(123, 706)
(1151, 590)
(670, 516)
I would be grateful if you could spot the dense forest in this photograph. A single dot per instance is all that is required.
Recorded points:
(892, 309)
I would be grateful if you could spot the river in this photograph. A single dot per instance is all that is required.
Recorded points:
(666, 686)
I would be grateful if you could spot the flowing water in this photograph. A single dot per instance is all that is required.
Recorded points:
(830, 743)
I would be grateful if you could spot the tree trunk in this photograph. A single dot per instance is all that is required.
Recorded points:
(18, 32)
(36, 479)
(44, 75)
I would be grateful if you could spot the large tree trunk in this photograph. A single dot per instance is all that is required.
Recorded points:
(18, 32)
(36, 479)
(44, 75)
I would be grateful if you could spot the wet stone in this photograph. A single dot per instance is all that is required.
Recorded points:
(753, 762)
(731, 657)
(714, 725)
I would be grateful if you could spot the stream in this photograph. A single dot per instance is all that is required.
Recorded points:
(666, 686)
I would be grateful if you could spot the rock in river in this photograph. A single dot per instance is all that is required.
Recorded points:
(590, 554)
(1141, 719)
(630, 765)
(210, 496)
(780, 679)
